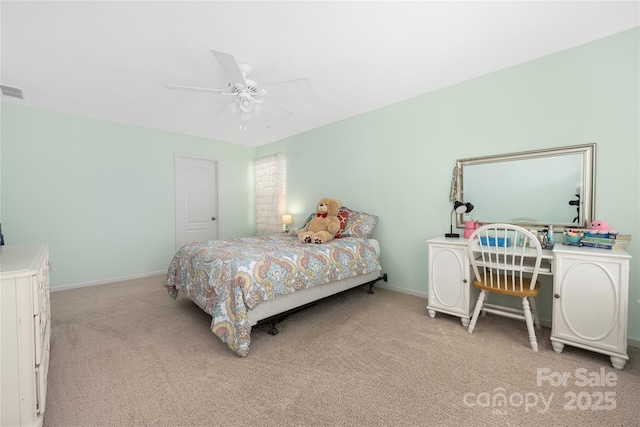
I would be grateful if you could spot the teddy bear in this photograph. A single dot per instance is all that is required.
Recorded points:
(324, 225)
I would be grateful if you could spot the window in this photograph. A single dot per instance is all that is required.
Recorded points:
(270, 178)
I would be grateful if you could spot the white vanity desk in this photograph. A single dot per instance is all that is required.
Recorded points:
(590, 289)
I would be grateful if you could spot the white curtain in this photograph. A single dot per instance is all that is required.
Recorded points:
(270, 178)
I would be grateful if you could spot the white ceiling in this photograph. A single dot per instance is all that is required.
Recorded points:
(111, 60)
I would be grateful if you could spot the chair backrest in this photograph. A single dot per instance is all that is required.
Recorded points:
(502, 255)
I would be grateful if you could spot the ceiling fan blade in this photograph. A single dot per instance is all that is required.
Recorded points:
(298, 84)
(286, 91)
(275, 111)
(230, 67)
(229, 111)
(199, 89)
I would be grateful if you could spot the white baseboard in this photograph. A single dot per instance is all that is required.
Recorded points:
(413, 292)
(106, 281)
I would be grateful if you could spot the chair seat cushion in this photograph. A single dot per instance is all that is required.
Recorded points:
(509, 288)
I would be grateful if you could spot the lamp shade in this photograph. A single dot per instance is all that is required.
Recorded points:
(461, 208)
(287, 219)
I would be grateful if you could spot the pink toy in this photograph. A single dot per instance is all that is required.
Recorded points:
(601, 227)
(469, 228)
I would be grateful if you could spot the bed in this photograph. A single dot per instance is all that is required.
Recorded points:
(241, 282)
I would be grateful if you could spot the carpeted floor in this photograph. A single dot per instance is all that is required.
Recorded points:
(126, 354)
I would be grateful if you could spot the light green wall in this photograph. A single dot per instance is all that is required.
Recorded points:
(102, 195)
(396, 162)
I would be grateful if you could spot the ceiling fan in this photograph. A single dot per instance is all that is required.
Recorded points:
(249, 101)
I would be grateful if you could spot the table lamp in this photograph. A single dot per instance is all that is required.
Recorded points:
(286, 221)
(458, 207)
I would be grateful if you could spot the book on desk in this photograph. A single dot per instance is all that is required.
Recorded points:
(611, 242)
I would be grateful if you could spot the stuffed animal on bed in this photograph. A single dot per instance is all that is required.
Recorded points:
(324, 225)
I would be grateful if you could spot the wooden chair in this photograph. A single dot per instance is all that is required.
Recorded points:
(502, 264)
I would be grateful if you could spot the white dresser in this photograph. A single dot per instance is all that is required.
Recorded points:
(25, 332)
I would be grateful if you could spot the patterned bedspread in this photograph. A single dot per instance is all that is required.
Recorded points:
(226, 278)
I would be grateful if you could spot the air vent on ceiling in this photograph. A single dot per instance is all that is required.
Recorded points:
(11, 91)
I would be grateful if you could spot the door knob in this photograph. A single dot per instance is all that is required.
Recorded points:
(213, 218)
(556, 295)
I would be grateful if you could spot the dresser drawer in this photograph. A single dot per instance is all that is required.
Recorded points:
(41, 285)
(42, 324)
(42, 371)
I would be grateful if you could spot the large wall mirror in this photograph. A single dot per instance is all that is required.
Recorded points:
(532, 188)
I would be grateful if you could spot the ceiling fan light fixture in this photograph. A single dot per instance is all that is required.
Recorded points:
(245, 102)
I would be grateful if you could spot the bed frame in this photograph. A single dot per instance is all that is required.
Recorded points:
(275, 311)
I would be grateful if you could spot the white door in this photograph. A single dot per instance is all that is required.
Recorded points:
(196, 180)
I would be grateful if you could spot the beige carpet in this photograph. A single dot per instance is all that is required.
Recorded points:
(126, 354)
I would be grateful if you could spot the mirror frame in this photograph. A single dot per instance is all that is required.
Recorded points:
(588, 152)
